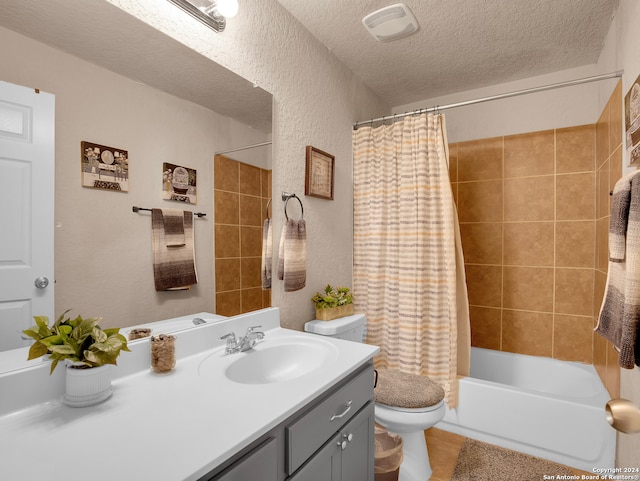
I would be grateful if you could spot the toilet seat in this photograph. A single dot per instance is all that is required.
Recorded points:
(424, 409)
(404, 390)
(403, 420)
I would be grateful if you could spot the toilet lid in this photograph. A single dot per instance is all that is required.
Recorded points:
(404, 390)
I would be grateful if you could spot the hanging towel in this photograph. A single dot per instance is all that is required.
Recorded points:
(173, 221)
(174, 266)
(267, 254)
(292, 255)
(619, 319)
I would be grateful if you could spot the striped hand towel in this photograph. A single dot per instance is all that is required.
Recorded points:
(619, 319)
(174, 267)
(267, 254)
(173, 221)
(292, 255)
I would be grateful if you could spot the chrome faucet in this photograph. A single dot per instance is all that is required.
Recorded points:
(244, 343)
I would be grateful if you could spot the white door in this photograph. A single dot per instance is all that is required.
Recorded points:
(27, 144)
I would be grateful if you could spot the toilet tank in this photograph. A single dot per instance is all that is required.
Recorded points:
(350, 328)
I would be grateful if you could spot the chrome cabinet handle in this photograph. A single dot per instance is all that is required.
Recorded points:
(348, 437)
(343, 413)
(343, 445)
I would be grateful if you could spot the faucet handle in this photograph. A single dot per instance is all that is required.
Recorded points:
(232, 343)
(230, 337)
(258, 334)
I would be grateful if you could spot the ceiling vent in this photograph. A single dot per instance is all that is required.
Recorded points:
(391, 23)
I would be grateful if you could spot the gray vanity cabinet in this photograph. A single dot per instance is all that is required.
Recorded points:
(260, 464)
(347, 456)
(357, 460)
(333, 439)
(330, 439)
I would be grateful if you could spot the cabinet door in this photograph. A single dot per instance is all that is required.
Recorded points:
(312, 429)
(259, 465)
(358, 453)
(324, 465)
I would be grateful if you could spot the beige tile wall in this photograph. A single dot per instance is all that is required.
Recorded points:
(534, 215)
(526, 207)
(609, 170)
(241, 192)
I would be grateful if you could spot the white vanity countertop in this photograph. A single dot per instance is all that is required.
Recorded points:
(176, 426)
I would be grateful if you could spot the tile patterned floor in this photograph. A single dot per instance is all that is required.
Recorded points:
(443, 448)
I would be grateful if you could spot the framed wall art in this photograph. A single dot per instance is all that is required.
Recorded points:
(104, 167)
(179, 183)
(319, 174)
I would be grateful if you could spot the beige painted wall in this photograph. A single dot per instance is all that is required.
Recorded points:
(316, 101)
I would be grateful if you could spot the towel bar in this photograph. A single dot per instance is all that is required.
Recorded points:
(137, 209)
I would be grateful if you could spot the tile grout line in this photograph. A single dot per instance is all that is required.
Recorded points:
(502, 248)
(555, 241)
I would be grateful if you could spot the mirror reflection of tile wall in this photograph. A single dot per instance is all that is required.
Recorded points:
(241, 193)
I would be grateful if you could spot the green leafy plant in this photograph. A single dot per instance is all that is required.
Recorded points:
(332, 297)
(79, 340)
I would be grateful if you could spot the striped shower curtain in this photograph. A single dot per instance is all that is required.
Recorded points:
(408, 268)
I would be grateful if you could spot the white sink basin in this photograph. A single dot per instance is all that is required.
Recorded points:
(278, 361)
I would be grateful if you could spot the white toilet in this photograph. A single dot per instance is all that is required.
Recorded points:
(394, 392)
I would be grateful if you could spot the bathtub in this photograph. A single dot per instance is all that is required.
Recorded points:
(535, 405)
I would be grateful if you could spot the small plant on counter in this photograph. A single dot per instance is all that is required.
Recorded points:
(332, 297)
(80, 341)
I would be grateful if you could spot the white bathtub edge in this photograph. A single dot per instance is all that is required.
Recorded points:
(607, 460)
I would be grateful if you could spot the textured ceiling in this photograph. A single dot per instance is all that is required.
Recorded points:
(461, 44)
(123, 44)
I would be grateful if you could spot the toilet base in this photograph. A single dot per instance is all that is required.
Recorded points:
(410, 425)
(415, 462)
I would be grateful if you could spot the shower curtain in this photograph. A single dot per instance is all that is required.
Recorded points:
(408, 269)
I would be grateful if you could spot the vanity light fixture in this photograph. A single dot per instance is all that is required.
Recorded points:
(213, 13)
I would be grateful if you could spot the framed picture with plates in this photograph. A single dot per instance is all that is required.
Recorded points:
(104, 167)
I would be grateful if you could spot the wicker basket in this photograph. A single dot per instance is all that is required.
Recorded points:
(331, 313)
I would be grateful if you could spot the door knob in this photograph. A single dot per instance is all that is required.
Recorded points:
(41, 282)
(623, 415)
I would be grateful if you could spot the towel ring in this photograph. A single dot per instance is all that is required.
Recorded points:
(287, 198)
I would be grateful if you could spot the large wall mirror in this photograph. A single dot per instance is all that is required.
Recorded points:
(119, 82)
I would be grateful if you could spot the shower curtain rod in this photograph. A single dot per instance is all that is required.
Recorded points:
(243, 148)
(438, 108)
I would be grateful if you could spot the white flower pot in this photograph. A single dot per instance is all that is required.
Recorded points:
(86, 387)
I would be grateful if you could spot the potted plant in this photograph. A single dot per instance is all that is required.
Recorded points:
(87, 349)
(333, 302)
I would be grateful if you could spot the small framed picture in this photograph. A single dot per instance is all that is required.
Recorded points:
(104, 167)
(319, 174)
(179, 183)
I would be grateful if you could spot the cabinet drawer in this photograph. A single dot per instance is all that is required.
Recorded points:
(308, 433)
